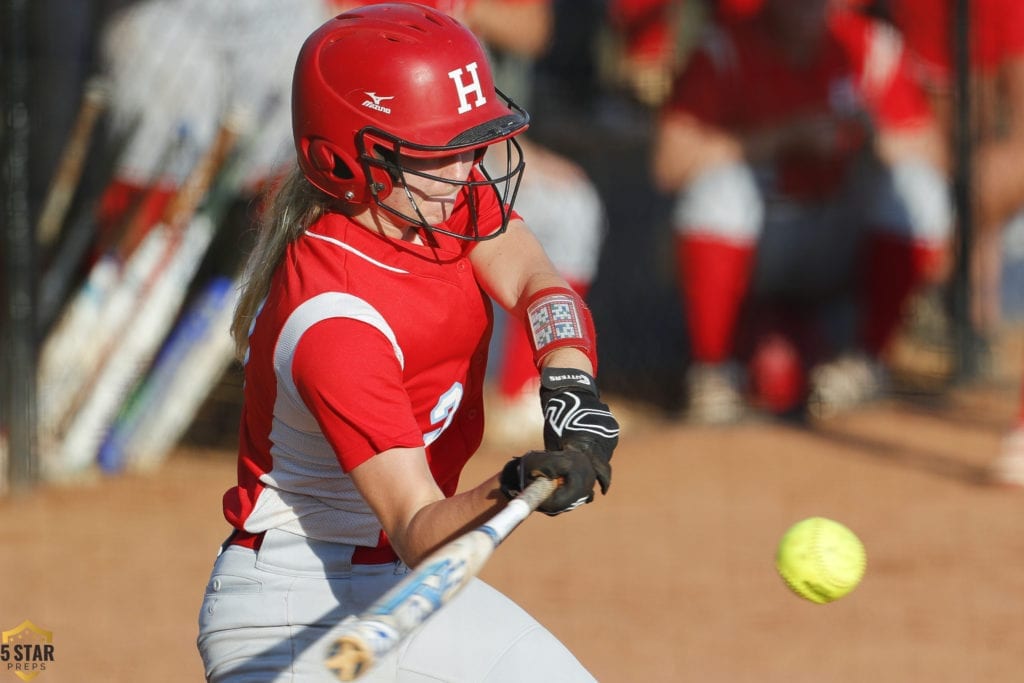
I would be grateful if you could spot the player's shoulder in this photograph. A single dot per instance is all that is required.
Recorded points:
(876, 47)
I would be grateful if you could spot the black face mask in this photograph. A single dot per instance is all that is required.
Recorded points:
(382, 150)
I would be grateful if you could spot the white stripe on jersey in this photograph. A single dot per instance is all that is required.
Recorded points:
(307, 492)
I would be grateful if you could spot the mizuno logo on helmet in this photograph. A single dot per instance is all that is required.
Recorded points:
(465, 89)
(375, 102)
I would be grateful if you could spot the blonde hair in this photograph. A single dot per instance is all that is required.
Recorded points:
(293, 207)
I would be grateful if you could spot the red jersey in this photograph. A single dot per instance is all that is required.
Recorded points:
(363, 344)
(997, 34)
(739, 81)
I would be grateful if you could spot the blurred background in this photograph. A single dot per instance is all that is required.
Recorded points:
(122, 116)
(796, 222)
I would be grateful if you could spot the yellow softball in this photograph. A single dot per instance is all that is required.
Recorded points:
(820, 559)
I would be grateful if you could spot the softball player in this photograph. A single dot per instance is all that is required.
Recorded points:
(364, 321)
(807, 167)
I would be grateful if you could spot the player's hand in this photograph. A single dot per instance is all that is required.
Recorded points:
(575, 471)
(576, 419)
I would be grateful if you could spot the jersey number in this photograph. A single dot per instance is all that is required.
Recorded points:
(444, 412)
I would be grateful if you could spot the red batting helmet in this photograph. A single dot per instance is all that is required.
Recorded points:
(386, 80)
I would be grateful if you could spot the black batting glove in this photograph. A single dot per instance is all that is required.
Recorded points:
(573, 468)
(575, 419)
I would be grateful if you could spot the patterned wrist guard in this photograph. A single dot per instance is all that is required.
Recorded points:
(557, 318)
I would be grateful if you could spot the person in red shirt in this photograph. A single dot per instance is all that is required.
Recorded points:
(364, 320)
(654, 35)
(808, 172)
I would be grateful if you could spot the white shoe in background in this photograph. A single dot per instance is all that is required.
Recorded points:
(715, 394)
(1008, 468)
(847, 382)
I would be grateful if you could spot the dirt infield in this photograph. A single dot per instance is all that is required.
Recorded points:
(670, 578)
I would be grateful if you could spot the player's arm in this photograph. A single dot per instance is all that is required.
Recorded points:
(580, 432)
(906, 124)
(512, 265)
(692, 133)
(418, 519)
(922, 142)
(684, 147)
(355, 392)
(698, 129)
(523, 28)
(513, 269)
(398, 486)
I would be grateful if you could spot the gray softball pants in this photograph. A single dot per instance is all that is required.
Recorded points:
(267, 616)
